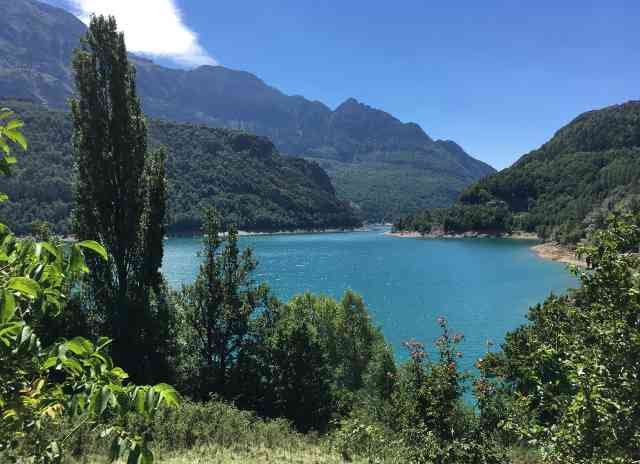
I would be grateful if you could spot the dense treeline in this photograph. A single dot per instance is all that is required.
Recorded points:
(562, 190)
(241, 175)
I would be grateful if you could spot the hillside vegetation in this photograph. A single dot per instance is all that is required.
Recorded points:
(241, 174)
(365, 147)
(560, 191)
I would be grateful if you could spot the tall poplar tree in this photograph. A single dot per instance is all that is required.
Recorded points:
(120, 199)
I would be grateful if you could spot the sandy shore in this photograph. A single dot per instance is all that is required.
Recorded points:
(557, 252)
(405, 234)
(550, 250)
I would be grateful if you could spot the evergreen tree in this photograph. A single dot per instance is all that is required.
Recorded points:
(120, 198)
(219, 305)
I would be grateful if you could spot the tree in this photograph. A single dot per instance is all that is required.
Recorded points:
(120, 197)
(571, 373)
(218, 307)
(300, 377)
(49, 391)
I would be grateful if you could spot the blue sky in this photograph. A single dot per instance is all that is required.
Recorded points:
(498, 77)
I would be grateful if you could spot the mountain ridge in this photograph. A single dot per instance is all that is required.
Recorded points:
(589, 168)
(355, 142)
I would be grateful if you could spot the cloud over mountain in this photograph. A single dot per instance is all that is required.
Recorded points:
(152, 27)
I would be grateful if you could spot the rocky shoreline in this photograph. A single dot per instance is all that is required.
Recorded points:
(468, 234)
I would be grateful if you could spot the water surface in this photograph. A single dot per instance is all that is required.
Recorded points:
(482, 286)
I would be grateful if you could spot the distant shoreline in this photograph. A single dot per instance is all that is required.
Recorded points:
(552, 251)
(249, 233)
(470, 234)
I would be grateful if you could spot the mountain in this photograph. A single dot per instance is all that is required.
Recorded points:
(385, 167)
(561, 190)
(242, 175)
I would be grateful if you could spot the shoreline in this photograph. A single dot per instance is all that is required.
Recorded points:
(551, 251)
(555, 252)
(249, 233)
(469, 234)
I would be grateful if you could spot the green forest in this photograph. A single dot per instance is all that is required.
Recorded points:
(562, 190)
(100, 361)
(242, 175)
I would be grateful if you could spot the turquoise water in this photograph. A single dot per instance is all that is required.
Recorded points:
(482, 286)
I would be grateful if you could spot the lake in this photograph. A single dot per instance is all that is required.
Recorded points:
(482, 286)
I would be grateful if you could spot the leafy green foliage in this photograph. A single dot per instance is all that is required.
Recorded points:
(564, 189)
(308, 360)
(425, 419)
(10, 133)
(48, 392)
(571, 374)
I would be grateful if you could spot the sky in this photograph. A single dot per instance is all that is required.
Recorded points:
(497, 76)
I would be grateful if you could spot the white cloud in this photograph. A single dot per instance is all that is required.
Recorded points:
(151, 27)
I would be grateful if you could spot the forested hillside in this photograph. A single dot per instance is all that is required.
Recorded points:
(561, 190)
(241, 174)
(365, 150)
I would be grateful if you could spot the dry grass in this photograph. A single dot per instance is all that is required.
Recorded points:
(217, 455)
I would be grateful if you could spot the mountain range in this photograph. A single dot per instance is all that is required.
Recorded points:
(383, 166)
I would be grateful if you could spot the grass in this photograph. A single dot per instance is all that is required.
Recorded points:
(215, 432)
(212, 454)
(259, 454)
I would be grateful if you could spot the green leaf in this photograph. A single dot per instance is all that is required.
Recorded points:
(168, 394)
(5, 148)
(139, 395)
(119, 372)
(26, 286)
(8, 306)
(50, 362)
(95, 247)
(77, 263)
(50, 248)
(10, 332)
(6, 113)
(72, 365)
(17, 137)
(14, 124)
(79, 346)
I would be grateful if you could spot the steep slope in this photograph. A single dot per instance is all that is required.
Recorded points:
(561, 190)
(365, 150)
(241, 174)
